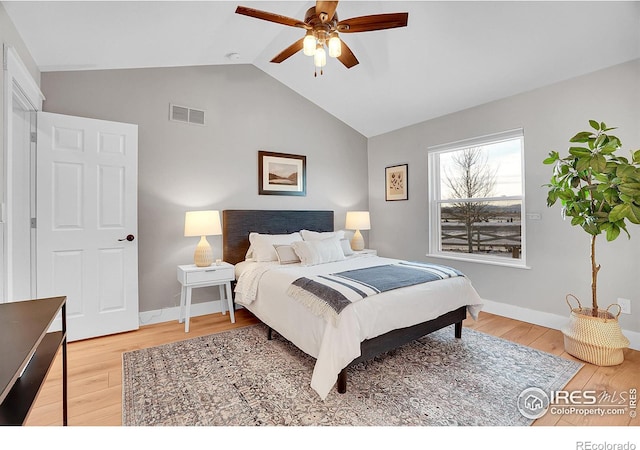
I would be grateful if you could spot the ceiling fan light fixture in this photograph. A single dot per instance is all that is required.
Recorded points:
(320, 57)
(309, 44)
(322, 26)
(335, 46)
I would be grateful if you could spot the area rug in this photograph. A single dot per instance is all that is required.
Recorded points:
(240, 378)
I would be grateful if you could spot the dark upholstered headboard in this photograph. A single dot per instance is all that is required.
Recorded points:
(238, 223)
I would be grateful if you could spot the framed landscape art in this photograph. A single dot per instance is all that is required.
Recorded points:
(397, 182)
(282, 174)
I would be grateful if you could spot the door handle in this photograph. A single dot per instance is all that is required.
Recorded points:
(130, 237)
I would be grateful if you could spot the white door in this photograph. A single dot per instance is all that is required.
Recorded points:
(87, 246)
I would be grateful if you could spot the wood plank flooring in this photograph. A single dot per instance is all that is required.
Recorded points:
(95, 369)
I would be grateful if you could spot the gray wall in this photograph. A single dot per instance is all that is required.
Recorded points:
(184, 167)
(558, 254)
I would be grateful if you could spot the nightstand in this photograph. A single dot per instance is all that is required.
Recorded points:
(192, 276)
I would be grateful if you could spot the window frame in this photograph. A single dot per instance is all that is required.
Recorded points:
(435, 200)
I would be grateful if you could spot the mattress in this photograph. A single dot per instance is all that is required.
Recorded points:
(262, 289)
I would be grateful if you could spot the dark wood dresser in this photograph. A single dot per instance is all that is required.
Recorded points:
(27, 352)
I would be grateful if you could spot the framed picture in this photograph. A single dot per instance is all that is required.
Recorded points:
(397, 182)
(282, 174)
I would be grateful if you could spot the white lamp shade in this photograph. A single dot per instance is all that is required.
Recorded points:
(358, 220)
(202, 223)
(309, 44)
(320, 57)
(335, 47)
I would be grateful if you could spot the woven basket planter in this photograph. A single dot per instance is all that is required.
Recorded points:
(596, 340)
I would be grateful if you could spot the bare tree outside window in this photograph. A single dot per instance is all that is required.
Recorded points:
(476, 193)
(470, 177)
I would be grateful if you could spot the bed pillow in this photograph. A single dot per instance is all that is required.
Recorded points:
(262, 245)
(318, 236)
(286, 254)
(346, 247)
(318, 251)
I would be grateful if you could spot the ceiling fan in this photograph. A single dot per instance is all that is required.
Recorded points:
(323, 28)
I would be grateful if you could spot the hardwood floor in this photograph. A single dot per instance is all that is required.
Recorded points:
(95, 369)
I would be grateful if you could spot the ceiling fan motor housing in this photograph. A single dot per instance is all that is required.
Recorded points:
(321, 28)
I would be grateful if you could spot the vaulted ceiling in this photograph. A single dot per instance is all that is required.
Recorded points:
(452, 55)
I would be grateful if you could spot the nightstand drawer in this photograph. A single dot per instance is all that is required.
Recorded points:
(210, 274)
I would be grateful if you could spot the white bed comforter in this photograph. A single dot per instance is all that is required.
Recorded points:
(262, 287)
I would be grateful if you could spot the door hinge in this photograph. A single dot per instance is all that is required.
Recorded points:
(34, 137)
(34, 222)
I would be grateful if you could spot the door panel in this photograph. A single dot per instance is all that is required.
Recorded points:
(86, 203)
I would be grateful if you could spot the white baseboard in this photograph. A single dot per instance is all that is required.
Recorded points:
(541, 318)
(173, 313)
(544, 319)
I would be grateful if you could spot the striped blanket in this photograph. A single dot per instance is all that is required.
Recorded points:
(328, 295)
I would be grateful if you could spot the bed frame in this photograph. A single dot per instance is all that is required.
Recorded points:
(237, 224)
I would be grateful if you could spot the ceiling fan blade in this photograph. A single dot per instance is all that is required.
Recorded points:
(289, 51)
(347, 57)
(326, 10)
(373, 23)
(270, 17)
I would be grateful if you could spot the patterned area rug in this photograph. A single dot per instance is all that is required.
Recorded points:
(238, 377)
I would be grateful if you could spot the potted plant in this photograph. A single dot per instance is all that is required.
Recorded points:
(600, 192)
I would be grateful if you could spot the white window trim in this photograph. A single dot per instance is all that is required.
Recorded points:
(434, 200)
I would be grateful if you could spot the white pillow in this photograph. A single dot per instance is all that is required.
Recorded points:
(346, 247)
(316, 236)
(318, 252)
(262, 244)
(286, 254)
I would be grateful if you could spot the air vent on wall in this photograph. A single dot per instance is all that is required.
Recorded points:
(186, 114)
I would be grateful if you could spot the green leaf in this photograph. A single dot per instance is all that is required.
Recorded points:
(613, 232)
(631, 189)
(634, 214)
(625, 198)
(575, 182)
(636, 157)
(625, 170)
(598, 163)
(609, 148)
(579, 151)
(595, 125)
(577, 220)
(591, 228)
(583, 164)
(553, 157)
(619, 212)
(601, 140)
(602, 126)
(583, 136)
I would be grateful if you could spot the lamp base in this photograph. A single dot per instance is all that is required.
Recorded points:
(357, 241)
(203, 256)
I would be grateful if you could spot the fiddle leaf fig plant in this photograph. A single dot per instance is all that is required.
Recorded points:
(598, 190)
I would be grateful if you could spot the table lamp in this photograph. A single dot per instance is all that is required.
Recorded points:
(357, 220)
(203, 224)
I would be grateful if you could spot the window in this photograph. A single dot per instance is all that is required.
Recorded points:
(476, 199)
